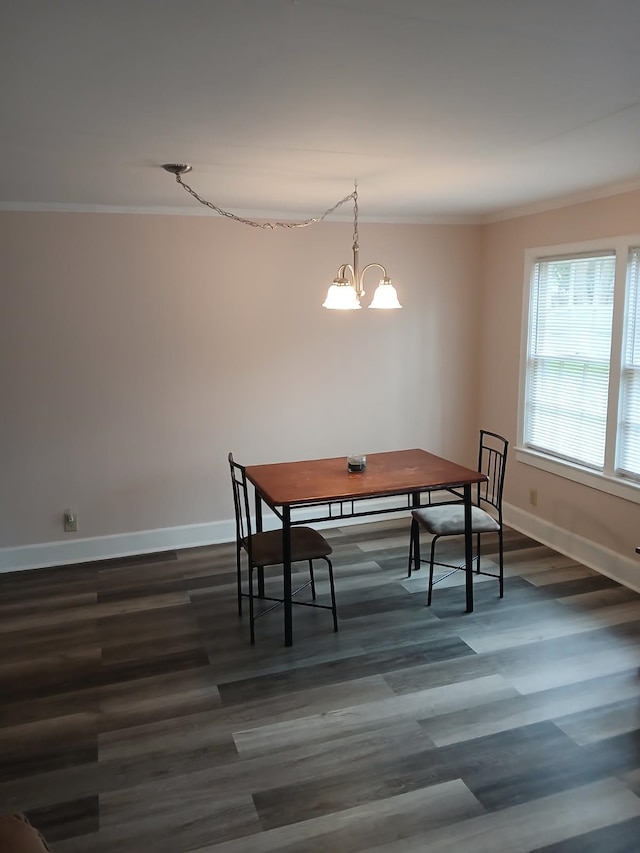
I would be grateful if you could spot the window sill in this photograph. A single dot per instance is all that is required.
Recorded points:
(621, 488)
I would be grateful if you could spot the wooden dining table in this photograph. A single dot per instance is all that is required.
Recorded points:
(323, 490)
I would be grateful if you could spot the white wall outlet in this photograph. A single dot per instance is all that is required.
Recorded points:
(533, 497)
(70, 520)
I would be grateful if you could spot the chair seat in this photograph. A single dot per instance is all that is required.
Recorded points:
(18, 836)
(306, 544)
(448, 520)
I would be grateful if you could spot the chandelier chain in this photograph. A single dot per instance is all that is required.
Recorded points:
(271, 225)
(354, 195)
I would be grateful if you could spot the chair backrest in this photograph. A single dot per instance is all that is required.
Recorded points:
(492, 461)
(241, 503)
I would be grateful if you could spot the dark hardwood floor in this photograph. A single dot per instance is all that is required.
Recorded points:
(135, 715)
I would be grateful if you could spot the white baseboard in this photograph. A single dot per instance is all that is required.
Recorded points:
(118, 545)
(625, 570)
(62, 553)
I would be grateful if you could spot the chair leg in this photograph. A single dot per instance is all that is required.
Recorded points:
(251, 616)
(313, 580)
(501, 553)
(430, 590)
(239, 576)
(334, 609)
(477, 553)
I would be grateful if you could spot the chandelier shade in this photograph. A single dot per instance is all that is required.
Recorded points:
(342, 296)
(385, 296)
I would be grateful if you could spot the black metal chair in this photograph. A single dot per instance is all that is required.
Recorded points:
(448, 519)
(264, 549)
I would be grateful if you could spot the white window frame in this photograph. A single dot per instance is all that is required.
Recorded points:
(606, 480)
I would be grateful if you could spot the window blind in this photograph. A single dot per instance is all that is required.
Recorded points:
(569, 348)
(629, 421)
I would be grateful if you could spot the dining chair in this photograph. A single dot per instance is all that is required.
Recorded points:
(263, 549)
(448, 519)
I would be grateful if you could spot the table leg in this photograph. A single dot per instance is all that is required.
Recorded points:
(258, 503)
(286, 570)
(415, 545)
(468, 547)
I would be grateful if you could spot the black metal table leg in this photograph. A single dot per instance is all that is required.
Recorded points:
(468, 547)
(258, 503)
(286, 569)
(415, 502)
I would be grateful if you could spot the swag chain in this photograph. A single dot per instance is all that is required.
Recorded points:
(270, 225)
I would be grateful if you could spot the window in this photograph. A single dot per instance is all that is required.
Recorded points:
(580, 389)
(629, 449)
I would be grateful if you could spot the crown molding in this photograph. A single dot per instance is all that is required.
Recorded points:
(260, 215)
(506, 213)
(560, 201)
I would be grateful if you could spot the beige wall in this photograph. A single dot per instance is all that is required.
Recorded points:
(138, 350)
(579, 511)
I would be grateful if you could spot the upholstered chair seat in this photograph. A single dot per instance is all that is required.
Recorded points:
(18, 836)
(449, 520)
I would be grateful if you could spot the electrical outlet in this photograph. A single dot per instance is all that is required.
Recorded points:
(70, 521)
(533, 497)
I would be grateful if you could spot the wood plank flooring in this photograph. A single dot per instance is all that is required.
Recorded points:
(135, 715)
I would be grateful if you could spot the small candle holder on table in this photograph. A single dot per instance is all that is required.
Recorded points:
(356, 463)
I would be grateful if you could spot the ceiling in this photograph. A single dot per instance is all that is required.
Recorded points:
(446, 109)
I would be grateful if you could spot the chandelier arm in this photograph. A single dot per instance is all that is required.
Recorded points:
(374, 264)
(251, 222)
(342, 273)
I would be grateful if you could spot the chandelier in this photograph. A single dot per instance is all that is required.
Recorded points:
(348, 286)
